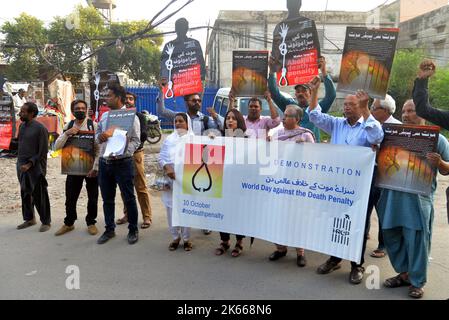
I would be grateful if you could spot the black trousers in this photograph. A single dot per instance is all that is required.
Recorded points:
(225, 237)
(39, 199)
(73, 186)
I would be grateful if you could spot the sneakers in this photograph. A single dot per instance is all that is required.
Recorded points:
(108, 235)
(328, 267)
(133, 237)
(44, 228)
(92, 230)
(64, 229)
(27, 224)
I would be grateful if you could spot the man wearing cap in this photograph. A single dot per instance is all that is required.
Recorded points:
(303, 95)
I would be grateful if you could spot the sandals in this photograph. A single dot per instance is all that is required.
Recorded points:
(188, 246)
(237, 250)
(145, 225)
(396, 282)
(174, 245)
(122, 221)
(416, 293)
(378, 253)
(222, 249)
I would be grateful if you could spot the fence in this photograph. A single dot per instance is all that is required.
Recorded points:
(146, 100)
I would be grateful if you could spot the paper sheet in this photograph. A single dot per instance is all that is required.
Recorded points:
(116, 144)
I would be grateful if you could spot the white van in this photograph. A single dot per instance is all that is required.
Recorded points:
(221, 103)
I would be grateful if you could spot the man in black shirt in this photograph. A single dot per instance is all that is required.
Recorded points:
(32, 168)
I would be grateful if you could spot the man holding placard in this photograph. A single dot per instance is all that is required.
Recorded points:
(79, 135)
(119, 137)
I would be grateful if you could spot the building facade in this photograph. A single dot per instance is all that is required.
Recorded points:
(429, 32)
(245, 30)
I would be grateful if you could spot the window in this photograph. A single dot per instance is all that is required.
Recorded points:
(224, 107)
(217, 103)
(440, 29)
(414, 37)
(244, 38)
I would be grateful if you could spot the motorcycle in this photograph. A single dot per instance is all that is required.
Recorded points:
(154, 128)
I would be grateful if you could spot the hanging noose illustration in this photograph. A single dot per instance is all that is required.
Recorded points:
(97, 92)
(169, 64)
(204, 160)
(283, 82)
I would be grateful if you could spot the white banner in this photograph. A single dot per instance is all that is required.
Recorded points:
(315, 196)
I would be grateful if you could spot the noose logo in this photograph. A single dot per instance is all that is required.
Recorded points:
(169, 65)
(204, 160)
(203, 170)
(283, 82)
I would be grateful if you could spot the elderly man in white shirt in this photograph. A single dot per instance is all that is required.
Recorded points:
(383, 110)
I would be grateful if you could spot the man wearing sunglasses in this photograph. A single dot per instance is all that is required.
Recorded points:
(200, 121)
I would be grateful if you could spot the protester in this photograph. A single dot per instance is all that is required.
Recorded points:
(74, 184)
(182, 130)
(382, 111)
(292, 132)
(118, 169)
(258, 126)
(140, 180)
(407, 220)
(200, 122)
(19, 100)
(421, 97)
(303, 95)
(358, 128)
(32, 168)
(234, 127)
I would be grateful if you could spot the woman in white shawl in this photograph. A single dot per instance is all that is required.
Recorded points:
(183, 128)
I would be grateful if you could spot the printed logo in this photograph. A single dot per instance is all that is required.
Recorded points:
(341, 230)
(203, 170)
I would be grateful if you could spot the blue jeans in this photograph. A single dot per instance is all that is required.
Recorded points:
(119, 172)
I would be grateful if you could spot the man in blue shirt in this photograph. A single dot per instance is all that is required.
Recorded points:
(303, 93)
(358, 128)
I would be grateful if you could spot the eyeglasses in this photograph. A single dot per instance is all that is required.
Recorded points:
(196, 100)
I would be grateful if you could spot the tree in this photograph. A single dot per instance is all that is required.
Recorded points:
(403, 75)
(23, 62)
(140, 58)
(439, 89)
(89, 25)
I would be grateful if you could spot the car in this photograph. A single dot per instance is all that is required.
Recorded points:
(221, 103)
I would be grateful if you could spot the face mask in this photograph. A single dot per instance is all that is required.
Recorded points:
(79, 115)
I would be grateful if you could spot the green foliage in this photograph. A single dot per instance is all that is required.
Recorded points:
(403, 75)
(23, 63)
(439, 89)
(140, 59)
(91, 25)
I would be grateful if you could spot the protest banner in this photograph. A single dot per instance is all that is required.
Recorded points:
(296, 49)
(367, 60)
(402, 163)
(7, 123)
(249, 73)
(121, 119)
(99, 85)
(78, 154)
(309, 200)
(183, 67)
